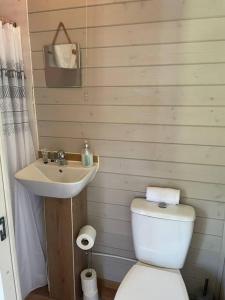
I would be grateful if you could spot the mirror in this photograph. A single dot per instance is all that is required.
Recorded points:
(62, 62)
(62, 65)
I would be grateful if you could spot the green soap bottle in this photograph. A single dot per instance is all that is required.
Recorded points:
(86, 155)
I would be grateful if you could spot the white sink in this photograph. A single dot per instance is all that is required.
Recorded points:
(52, 180)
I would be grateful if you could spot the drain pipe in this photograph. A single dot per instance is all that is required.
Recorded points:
(114, 256)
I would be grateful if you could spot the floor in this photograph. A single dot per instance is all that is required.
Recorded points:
(106, 293)
(39, 294)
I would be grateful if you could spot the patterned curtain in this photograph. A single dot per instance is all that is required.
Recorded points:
(27, 208)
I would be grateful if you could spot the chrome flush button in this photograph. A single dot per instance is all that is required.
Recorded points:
(162, 205)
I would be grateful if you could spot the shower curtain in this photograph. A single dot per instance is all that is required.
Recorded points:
(27, 208)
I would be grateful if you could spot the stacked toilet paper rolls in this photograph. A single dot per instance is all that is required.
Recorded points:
(89, 284)
(167, 195)
(86, 237)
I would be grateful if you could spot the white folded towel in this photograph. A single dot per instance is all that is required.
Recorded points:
(65, 56)
(167, 195)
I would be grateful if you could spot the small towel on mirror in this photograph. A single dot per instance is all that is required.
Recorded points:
(65, 56)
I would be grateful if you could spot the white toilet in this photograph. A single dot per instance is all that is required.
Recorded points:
(161, 237)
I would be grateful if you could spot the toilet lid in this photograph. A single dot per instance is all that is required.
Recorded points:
(152, 283)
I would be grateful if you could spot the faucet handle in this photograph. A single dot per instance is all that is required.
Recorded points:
(61, 155)
(52, 156)
(61, 158)
(44, 153)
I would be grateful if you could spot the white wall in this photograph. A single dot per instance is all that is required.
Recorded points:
(16, 10)
(152, 106)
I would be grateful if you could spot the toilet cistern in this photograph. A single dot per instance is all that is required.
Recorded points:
(161, 238)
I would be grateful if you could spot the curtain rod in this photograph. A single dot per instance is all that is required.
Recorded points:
(7, 21)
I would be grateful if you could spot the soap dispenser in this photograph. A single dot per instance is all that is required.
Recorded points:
(86, 155)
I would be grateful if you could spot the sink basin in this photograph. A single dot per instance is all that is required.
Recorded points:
(52, 180)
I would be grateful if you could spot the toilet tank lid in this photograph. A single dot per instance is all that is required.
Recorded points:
(179, 212)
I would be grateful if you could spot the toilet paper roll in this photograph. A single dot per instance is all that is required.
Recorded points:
(92, 297)
(86, 237)
(89, 284)
(167, 195)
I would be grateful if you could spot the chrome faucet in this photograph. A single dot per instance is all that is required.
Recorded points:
(61, 158)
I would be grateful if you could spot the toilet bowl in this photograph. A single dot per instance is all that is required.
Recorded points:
(147, 282)
(161, 236)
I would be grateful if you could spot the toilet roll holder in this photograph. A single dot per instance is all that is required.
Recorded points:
(89, 254)
(85, 242)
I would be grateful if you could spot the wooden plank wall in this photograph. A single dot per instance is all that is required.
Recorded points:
(152, 106)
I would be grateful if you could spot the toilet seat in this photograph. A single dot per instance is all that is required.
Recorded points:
(145, 282)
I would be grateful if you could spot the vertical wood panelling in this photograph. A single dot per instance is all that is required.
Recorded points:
(63, 220)
(152, 105)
